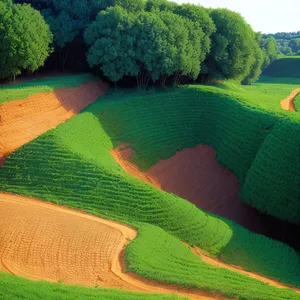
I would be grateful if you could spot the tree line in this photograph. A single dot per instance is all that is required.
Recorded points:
(288, 43)
(153, 41)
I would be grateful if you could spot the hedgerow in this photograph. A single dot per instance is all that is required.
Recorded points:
(284, 67)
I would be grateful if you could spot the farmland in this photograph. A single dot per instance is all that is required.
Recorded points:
(149, 150)
(72, 166)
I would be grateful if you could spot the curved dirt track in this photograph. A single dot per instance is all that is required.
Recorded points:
(288, 103)
(219, 264)
(23, 120)
(195, 175)
(43, 241)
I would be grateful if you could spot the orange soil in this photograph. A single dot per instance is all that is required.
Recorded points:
(195, 175)
(23, 120)
(288, 103)
(43, 241)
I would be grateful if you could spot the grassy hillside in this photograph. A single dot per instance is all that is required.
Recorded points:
(297, 103)
(15, 288)
(23, 90)
(161, 124)
(72, 165)
(288, 66)
(156, 255)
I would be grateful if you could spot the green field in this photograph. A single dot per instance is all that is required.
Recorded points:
(28, 88)
(288, 66)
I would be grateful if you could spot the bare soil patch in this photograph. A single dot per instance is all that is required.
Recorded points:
(43, 241)
(23, 120)
(195, 175)
(288, 103)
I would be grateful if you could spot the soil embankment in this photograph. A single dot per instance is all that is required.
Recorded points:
(195, 175)
(23, 120)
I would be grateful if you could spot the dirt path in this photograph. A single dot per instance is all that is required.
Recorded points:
(23, 120)
(288, 103)
(219, 264)
(43, 241)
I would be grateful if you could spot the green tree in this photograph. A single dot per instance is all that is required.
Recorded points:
(232, 53)
(130, 5)
(295, 44)
(199, 16)
(270, 50)
(111, 41)
(148, 45)
(25, 39)
(160, 5)
(67, 19)
(256, 67)
(285, 49)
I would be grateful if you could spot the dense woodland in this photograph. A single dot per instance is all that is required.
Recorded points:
(150, 41)
(288, 43)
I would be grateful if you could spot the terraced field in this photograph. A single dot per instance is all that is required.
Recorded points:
(72, 166)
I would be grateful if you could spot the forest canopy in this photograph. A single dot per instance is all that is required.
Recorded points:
(152, 41)
(25, 39)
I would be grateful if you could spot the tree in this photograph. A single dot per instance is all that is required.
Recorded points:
(256, 67)
(270, 51)
(25, 39)
(67, 19)
(232, 53)
(148, 45)
(111, 43)
(130, 5)
(285, 49)
(160, 5)
(295, 44)
(200, 17)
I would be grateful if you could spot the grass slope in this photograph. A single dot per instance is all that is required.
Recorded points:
(71, 165)
(297, 103)
(24, 90)
(288, 66)
(161, 124)
(15, 288)
(158, 256)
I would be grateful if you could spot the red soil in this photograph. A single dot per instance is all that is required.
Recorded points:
(23, 120)
(288, 103)
(195, 175)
